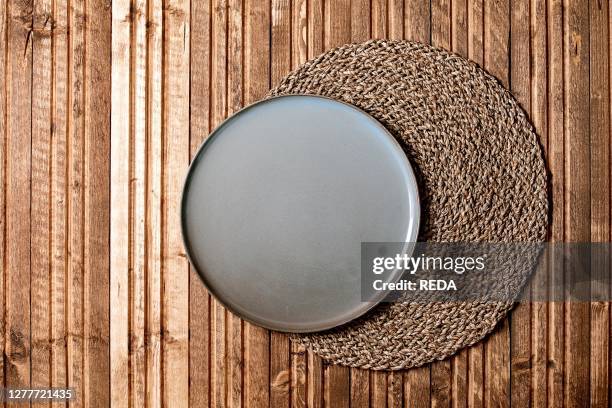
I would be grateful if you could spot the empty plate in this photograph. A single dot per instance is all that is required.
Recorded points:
(277, 203)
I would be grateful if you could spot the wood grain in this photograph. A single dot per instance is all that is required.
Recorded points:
(299, 368)
(219, 109)
(154, 200)
(556, 164)
(280, 370)
(520, 320)
(599, 76)
(475, 381)
(299, 32)
(175, 272)
(417, 20)
(395, 389)
(440, 383)
(137, 205)
(378, 389)
(314, 388)
(361, 20)
(417, 387)
(380, 19)
(3, 161)
(97, 106)
(441, 24)
(315, 27)
(476, 31)
(200, 126)
(360, 387)
(459, 27)
(577, 195)
(539, 117)
(103, 105)
(76, 204)
(18, 138)
(459, 386)
(395, 19)
(337, 23)
(119, 212)
(40, 198)
(336, 392)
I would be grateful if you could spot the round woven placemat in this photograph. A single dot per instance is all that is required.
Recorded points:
(481, 174)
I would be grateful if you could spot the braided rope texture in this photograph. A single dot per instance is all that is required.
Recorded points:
(481, 175)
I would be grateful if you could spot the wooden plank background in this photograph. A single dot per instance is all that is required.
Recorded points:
(103, 104)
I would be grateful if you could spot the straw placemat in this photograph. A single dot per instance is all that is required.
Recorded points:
(481, 174)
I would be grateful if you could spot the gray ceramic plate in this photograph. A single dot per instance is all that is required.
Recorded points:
(278, 201)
